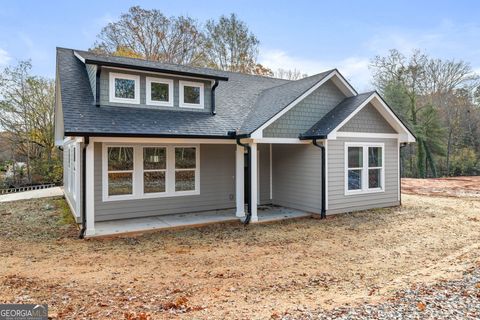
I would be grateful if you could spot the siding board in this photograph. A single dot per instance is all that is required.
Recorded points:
(296, 175)
(338, 201)
(217, 189)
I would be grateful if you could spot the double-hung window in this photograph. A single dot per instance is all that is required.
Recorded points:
(124, 88)
(120, 171)
(191, 94)
(154, 169)
(185, 168)
(149, 171)
(364, 168)
(159, 92)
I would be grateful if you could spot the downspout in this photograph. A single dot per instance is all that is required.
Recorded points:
(323, 214)
(97, 86)
(215, 85)
(84, 188)
(249, 173)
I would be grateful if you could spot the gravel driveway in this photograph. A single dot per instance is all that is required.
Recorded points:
(456, 299)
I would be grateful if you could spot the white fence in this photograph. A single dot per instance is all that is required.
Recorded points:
(21, 189)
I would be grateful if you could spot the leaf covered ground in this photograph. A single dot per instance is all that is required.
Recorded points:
(228, 271)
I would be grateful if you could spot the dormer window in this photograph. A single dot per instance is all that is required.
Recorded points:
(159, 92)
(124, 88)
(191, 94)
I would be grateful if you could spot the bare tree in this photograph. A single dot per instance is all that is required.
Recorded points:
(289, 74)
(26, 113)
(232, 47)
(150, 35)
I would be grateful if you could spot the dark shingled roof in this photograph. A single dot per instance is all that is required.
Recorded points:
(333, 118)
(243, 103)
(140, 64)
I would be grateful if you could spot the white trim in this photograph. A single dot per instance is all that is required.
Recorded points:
(76, 54)
(111, 79)
(90, 190)
(344, 134)
(365, 189)
(148, 85)
(384, 110)
(78, 174)
(279, 140)
(163, 74)
(254, 183)
(183, 104)
(258, 176)
(325, 143)
(240, 181)
(164, 140)
(258, 133)
(271, 177)
(399, 180)
(137, 172)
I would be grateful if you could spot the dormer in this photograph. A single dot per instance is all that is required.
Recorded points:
(127, 82)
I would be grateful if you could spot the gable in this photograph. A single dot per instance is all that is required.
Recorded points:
(306, 113)
(368, 120)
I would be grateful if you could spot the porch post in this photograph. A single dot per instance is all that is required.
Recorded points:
(240, 181)
(89, 195)
(254, 182)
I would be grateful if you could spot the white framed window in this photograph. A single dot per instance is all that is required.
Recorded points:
(124, 88)
(150, 171)
(159, 92)
(364, 168)
(119, 171)
(154, 170)
(191, 94)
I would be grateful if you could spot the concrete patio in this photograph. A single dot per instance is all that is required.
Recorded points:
(139, 225)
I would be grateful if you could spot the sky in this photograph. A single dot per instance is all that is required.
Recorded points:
(311, 36)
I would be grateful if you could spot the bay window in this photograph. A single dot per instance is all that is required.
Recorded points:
(364, 167)
(136, 172)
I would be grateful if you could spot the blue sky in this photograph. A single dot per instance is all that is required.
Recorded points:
(308, 35)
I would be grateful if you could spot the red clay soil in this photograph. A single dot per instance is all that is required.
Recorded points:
(447, 187)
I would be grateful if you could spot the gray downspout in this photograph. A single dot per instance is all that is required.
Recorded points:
(97, 86)
(249, 198)
(215, 85)
(323, 213)
(84, 188)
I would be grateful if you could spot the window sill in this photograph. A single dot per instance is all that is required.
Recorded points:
(360, 192)
(191, 106)
(150, 196)
(128, 101)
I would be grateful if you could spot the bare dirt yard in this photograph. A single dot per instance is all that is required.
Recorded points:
(222, 271)
(465, 187)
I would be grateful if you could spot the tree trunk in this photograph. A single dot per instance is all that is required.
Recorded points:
(449, 146)
(420, 159)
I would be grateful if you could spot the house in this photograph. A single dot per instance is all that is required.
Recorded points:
(145, 139)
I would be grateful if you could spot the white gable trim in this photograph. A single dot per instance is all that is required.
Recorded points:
(404, 134)
(338, 79)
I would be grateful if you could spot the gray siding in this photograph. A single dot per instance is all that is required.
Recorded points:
(297, 181)
(306, 113)
(217, 189)
(92, 77)
(264, 173)
(105, 100)
(368, 120)
(337, 200)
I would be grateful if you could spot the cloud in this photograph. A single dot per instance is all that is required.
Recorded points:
(4, 57)
(354, 68)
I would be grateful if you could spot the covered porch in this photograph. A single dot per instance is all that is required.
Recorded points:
(184, 220)
(265, 179)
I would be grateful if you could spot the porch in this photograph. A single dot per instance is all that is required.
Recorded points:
(183, 220)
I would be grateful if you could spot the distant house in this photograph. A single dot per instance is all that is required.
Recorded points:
(144, 139)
